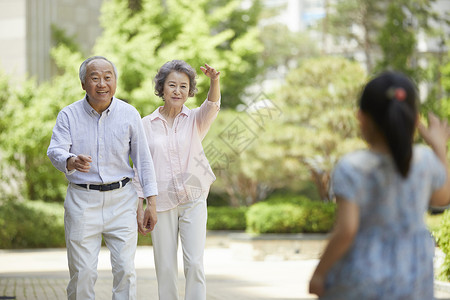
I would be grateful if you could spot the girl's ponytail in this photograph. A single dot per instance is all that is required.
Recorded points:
(399, 132)
(390, 99)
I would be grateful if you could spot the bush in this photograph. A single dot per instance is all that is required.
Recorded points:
(442, 236)
(37, 224)
(31, 224)
(226, 218)
(433, 222)
(290, 215)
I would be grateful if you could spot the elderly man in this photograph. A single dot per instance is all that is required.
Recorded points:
(92, 142)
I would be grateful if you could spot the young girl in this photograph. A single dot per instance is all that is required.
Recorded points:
(380, 247)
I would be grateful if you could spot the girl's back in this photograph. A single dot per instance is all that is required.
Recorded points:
(391, 256)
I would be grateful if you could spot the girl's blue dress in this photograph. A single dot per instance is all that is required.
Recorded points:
(392, 255)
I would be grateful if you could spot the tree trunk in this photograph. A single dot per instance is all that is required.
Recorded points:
(322, 182)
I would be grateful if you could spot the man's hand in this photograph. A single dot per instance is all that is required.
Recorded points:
(80, 163)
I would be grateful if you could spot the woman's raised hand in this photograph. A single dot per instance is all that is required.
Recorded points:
(209, 71)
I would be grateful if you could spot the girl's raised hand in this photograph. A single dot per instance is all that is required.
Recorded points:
(209, 71)
(436, 134)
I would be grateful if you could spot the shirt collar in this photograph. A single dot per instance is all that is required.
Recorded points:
(156, 114)
(91, 111)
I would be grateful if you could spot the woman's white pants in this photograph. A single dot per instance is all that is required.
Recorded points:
(88, 215)
(188, 220)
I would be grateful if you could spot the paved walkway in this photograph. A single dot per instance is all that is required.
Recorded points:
(42, 274)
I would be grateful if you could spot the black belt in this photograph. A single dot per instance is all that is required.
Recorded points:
(105, 187)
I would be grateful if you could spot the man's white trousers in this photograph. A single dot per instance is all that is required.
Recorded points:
(88, 215)
(188, 220)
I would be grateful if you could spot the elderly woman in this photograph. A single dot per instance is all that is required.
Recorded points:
(174, 134)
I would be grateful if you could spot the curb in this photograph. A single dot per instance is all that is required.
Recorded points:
(279, 237)
(277, 246)
(442, 286)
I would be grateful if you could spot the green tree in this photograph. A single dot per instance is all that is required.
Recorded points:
(319, 104)
(362, 22)
(442, 107)
(357, 21)
(140, 41)
(139, 37)
(289, 138)
(249, 155)
(31, 116)
(284, 48)
(11, 178)
(397, 41)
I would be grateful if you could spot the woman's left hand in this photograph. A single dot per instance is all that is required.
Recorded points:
(209, 71)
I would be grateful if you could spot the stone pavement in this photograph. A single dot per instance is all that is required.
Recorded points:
(42, 274)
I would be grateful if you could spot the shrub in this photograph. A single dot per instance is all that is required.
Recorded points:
(442, 236)
(226, 218)
(290, 215)
(31, 224)
(433, 222)
(36, 224)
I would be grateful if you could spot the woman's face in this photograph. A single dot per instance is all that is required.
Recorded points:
(176, 89)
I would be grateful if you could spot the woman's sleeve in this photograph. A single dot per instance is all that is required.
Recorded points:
(205, 115)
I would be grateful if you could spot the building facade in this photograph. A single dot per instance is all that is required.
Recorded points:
(26, 33)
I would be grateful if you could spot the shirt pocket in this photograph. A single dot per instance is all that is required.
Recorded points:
(120, 140)
(81, 144)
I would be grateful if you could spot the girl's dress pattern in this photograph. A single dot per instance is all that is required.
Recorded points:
(392, 254)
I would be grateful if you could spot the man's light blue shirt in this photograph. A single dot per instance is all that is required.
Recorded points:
(110, 138)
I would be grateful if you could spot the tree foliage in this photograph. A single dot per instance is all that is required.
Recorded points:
(397, 41)
(223, 35)
(31, 114)
(279, 141)
(442, 107)
(138, 38)
(357, 21)
(319, 104)
(284, 48)
(291, 137)
(383, 29)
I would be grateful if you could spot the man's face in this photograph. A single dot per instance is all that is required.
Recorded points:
(100, 83)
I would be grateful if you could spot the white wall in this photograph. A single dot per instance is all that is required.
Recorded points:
(25, 33)
(78, 18)
(12, 37)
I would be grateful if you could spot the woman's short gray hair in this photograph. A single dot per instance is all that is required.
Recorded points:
(175, 66)
(82, 72)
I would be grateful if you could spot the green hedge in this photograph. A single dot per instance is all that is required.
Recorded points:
(38, 224)
(290, 215)
(442, 236)
(226, 218)
(31, 224)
